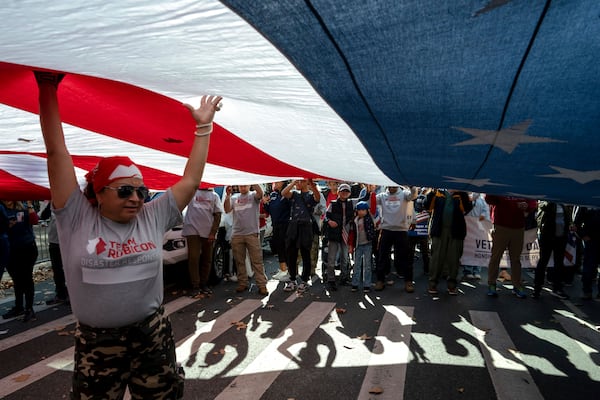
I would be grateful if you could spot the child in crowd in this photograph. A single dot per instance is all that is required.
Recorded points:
(364, 229)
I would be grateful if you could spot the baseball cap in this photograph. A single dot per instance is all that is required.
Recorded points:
(362, 205)
(344, 187)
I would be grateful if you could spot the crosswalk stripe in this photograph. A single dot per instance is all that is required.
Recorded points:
(277, 356)
(387, 368)
(209, 331)
(587, 339)
(511, 379)
(38, 331)
(63, 360)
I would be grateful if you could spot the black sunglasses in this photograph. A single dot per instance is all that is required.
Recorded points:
(125, 191)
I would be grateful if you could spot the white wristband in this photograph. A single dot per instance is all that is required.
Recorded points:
(206, 125)
(203, 134)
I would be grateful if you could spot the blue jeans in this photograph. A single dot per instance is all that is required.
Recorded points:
(334, 247)
(362, 263)
(471, 269)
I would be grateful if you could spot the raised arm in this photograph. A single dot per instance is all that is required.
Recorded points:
(287, 191)
(259, 192)
(61, 172)
(185, 188)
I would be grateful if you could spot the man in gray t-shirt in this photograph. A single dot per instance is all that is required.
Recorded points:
(200, 226)
(245, 207)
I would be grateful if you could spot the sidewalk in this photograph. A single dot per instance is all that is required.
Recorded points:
(44, 289)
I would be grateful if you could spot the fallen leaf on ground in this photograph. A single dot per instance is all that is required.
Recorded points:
(21, 378)
(239, 325)
(376, 390)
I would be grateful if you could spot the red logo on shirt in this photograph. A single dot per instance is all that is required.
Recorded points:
(100, 246)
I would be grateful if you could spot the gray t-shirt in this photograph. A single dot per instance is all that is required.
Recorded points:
(113, 270)
(245, 208)
(200, 213)
(397, 209)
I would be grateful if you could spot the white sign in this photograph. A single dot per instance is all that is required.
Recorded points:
(477, 249)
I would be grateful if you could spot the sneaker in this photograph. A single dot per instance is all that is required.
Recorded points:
(433, 290)
(205, 290)
(560, 294)
(302, 287)
(290, 286)
(354, 289)
(367, 290)
(241, 288)
(15, 312)
(331, 286)
(492, 292)
(469, 277)
(263, 291)
(282, 276)
(409, 287)
(520, 293)
(28, 315)
(452, 291)
(379, 286)
(504, 276)
(477, 276)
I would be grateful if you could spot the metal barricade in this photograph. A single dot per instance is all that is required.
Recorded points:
(41, 240)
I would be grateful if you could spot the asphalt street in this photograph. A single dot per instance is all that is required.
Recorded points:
(343, 344)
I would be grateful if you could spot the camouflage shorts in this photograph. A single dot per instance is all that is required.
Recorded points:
(141, 356)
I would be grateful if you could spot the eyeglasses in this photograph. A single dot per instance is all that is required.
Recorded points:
(125, 191)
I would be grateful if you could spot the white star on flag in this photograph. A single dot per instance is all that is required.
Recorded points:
(506, 139)
(474, 182)
(582, 177)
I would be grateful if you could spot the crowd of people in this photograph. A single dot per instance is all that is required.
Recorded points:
(364, 230)
(361, 231)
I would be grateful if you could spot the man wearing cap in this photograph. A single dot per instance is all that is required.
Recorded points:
(397, 211)
(338, 217)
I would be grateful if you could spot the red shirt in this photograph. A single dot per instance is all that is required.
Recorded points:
(506, 212)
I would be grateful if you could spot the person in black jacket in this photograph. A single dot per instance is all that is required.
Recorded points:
(553, 221)
(587, 221)
(447, 229)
